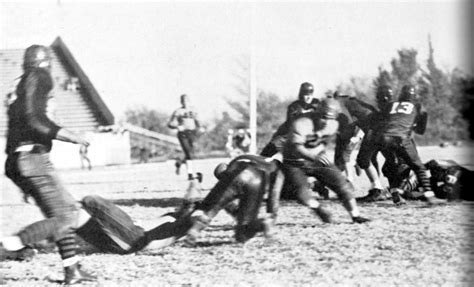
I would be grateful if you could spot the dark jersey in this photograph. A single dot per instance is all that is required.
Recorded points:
(354, 113)
(399, 119)
(298, 107)
(451, 180)
(27, 119)
(271, 172)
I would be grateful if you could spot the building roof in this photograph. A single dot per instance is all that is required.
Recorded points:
(80, 108)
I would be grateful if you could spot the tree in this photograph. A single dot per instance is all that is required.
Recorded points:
(271, 110)
(271, 113)
(405, 69)
(148, 119)
(358, 87)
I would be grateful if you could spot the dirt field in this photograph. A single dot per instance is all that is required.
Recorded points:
(410, 245)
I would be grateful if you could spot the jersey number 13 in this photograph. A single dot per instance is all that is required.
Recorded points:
(402, 108)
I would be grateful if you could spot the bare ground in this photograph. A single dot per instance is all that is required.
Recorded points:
(409, 246)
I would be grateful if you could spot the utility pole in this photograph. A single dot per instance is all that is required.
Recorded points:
(253, 82)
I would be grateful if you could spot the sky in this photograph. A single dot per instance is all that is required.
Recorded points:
(149, 53)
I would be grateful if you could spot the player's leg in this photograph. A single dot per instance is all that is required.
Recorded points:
(56, 204)
(193, 192)
(296, 178)
(170, 227)
(223, 193)
(249, 203)
(407, 151)
(125, 236)
(368, 150)
(330, 176)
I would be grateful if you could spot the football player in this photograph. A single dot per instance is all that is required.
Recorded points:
(107, 227)
(186, 122)
(29, 142)
(246, 179)
(394, 136)
(304, 155)
(306, 103)
(352, 123)
(448, 179)
(366, 158)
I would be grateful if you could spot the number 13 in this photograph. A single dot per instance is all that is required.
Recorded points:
(402, 108)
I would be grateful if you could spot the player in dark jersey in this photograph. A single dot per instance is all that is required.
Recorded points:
(352, 123)
(186, 122)
(306, 103)
(366, 158)
(29, 141)
(107, 227)
(247, 179)
(304, 155)
(448, 179)
(395, 137)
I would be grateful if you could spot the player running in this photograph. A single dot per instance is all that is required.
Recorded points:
(29, 142)
(304, 155)
(306, 103)
(186, 122)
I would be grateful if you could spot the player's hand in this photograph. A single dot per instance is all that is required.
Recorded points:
(68, 136)
(83, 142)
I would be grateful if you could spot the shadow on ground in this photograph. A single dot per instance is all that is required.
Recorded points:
(154, 202)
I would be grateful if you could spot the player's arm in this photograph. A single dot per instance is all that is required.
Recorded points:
(35, 103)
(173, 122)
(306, 143)
(421, 121)
(273, 203)
(291, 112)
(35, 97)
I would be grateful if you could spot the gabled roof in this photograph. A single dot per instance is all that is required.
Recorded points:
(103, 113)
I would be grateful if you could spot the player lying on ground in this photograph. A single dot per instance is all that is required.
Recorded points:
(247, 179)
(304, 155)
(108, 228)
(449, 180)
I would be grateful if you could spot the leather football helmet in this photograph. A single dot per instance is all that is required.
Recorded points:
(36, 56)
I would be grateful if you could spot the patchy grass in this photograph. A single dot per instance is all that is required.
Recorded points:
(410, 245)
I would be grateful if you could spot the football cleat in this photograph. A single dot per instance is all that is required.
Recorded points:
(396, 197)
(375, 194)
(360, 219)
(75, 275)
(432, 200)
(24, 254)
(322, 213)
